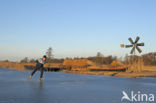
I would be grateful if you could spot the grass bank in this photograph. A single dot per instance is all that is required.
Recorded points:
(148, 71)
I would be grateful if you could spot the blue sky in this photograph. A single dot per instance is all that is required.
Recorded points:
(74, 28)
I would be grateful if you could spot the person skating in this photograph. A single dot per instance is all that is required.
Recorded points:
(39, 65)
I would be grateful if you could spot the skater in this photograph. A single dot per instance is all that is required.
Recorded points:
(39, 65)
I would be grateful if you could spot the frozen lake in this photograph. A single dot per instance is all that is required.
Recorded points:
(58, 87)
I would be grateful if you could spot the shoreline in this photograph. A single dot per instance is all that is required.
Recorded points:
(104, 73)
(147, 71)
(114, 74)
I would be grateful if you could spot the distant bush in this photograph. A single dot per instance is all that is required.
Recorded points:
(149, 59)
(25, 60)
(102, 60)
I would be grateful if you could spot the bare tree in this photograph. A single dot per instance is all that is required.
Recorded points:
(99, 54)
(49, 54)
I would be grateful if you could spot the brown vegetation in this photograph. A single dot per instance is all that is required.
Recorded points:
(138, 66)
(77, 64)
(21, 66)
(15, 65)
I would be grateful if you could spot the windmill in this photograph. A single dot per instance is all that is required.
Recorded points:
(135, 46)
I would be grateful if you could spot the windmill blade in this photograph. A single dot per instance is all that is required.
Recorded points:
(140, 44)
(128, 46)
(133, 49)
(130, 39)
(139, 50)
(137, 39)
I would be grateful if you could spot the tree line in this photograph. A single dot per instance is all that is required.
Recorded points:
(148, 59)
(98, 59)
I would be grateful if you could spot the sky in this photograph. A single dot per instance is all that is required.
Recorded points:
(74, 28)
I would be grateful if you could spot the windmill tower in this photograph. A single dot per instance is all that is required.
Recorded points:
(137, 62)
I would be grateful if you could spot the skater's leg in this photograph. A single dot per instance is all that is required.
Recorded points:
(33, 71)
(42, 70)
